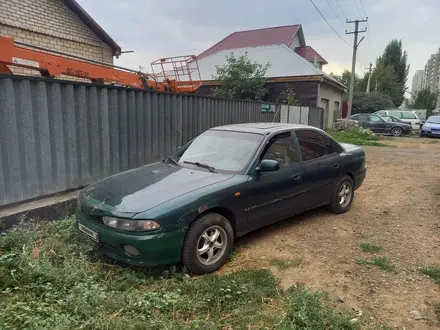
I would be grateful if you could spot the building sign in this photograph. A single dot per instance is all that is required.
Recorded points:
(268, 108)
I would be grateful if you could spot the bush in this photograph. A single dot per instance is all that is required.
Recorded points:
(342, 124)
(356, 135)
(371, 102)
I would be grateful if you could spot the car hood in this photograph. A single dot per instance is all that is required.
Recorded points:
(431, 125)
(141, 189)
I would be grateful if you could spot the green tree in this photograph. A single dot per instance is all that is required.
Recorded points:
(360, 84)
(424, 99)
(241, 78)
(386, 81)
(395, 57)
(371, 102)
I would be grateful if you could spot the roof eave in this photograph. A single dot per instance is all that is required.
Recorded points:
(93, 25)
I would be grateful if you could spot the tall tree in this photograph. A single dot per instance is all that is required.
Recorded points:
(424, 99)
(241, 78)
(397, 58)
(386, 81)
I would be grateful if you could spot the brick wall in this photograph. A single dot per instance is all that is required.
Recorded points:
(51, 24)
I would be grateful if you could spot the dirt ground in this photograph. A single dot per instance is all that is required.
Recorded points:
(398, 209)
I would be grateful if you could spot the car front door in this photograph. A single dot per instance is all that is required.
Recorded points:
(322, 167)
(377, 124)
(272, 196)
(362, 120)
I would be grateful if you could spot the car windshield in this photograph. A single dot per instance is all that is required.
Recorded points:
(221, 150)
(433, 120)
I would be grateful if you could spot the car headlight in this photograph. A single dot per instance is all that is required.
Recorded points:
(428, 129)
(130, 224)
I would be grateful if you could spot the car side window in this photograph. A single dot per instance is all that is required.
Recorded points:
(375, 118)
(363, 118)
(354, 117)
(408, 115)
(397, 114)
(311, 144)
(282, 149)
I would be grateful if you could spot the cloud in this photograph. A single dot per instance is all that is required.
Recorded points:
(155, 29)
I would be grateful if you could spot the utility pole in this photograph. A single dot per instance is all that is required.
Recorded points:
(353, 63)
(369, 77)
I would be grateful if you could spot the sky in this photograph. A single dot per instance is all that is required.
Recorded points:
(155, 29)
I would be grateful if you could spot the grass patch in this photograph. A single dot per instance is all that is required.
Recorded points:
(433, 272)
(49, 280)
(285, 263)
(381, 262)
(358, 137)
(437, 311)
(370, 248)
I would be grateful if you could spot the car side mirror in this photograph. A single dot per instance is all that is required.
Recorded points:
(268, 165)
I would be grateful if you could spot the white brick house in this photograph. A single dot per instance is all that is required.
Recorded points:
(61, 25)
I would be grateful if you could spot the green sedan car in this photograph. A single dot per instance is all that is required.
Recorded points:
(226, 182)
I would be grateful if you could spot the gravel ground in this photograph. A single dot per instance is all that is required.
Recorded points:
(397, 208)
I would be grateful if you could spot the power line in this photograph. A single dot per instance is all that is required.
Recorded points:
(362, 4)
(419, 26)
(329, 23)
(340, 8)
(334, 12)
(357, 7)
(368, 25)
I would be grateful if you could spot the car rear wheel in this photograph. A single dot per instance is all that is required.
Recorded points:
(397, 131)
(342, 196)
(207, 244)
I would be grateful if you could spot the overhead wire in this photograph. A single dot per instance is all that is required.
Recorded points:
(340, 37)
(368, 26)
(336, 14)
(420, 25)
(357, 7)
(340, 8)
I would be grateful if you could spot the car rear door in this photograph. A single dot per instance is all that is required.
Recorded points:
(273, 196)
(322, 167)
(411, 119)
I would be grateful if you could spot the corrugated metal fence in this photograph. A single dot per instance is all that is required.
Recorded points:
(56, 135)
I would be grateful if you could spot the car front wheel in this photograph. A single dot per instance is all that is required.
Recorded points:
(342, 196)
(208, 244)
(397, 131)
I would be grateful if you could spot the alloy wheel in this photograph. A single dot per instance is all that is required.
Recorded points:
(212, 245)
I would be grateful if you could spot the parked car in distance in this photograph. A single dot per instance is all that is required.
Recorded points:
(226, 182)
(409, 117)
(431, 127)
(379, 125)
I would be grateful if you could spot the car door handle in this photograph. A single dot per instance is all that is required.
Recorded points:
(336, 166)
(296, 177)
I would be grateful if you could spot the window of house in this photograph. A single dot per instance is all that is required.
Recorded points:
(283, 150)
(311, 144)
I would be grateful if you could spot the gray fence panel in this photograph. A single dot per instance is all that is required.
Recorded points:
(316, 117)
(60, 135)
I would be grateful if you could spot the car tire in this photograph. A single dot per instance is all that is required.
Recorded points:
(207, 244)
(341, 204)
(396, 131)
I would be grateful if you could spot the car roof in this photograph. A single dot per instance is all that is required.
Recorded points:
(261, 128)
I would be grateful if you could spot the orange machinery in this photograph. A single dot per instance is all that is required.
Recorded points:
(51, 63)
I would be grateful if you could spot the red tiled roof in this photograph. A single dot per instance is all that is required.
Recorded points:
(255, 38)
(309, 54)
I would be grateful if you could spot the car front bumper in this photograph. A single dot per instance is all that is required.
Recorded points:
(430, 133)
(158, 248)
